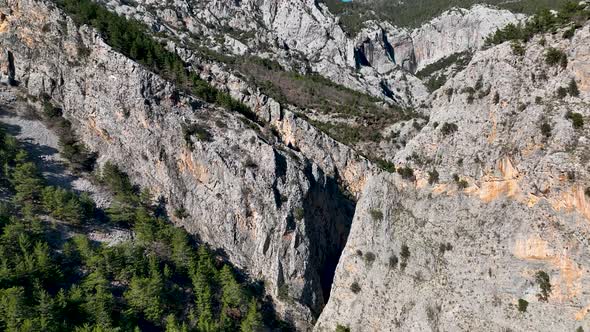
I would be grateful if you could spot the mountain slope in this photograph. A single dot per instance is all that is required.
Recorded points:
(489, 230)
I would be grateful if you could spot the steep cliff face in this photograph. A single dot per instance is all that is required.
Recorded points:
(267, 207)
(305, 36)
(496, 204)
(456, 31)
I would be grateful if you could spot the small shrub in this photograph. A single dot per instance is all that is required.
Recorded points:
(406, 173)
(377, 215)
(478, 84)
(359, 253)
(250, 163)
(369, 257)
(355, 287)
(542, 41)
(555, 56)
(518, 49)
(433, 176)
(50, 111)
(284, 292)
(538, 100)
(299, 213)
(340, 328)
(200, 132)
(546, 129)
(561, 92)
(576, 118)
(522, 305)
(542, 278)
(181, 213)
(445, 247)
(448, 128)
(569, 33)
(405, 255)
(462, 184)
(386, 165)
(468, 90)
(393, 260)
(573, 88)
(496, 98)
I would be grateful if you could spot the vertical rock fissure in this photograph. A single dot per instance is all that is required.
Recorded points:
(328, 218)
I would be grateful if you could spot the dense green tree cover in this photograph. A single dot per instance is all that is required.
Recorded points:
(158, 281)
(132, 39)
(414, 13)
(570, 13)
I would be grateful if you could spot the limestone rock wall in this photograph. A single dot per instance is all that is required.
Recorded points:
(507, 202)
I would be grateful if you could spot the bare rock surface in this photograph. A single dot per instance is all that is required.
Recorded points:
(459, 250)
(271, 210)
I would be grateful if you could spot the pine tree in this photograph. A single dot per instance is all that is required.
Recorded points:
(253, 320)
(233, 295)
(27, 183)
(13, 309)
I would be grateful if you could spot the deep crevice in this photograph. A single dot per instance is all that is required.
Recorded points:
(328, 218)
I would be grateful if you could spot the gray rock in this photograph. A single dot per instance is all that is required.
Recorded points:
(475, 246)
(272, 211)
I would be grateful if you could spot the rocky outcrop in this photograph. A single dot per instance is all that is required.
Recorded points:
(304, 35)
(266, 206)
(496, 200)
(457, 30)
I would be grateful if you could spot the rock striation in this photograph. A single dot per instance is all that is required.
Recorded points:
(305, 36)
(267, 207)
(496, 199)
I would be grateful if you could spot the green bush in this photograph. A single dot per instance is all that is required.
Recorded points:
(355, 287)
(543, 21)
(340, 328)
(542, 279)
(66, 205)
(299, 213)
(569, 33)
(369, 257)
(405, 256)
(462, 184)
(386, 165)
(546, 129)
(200, 132)
(181, 213)
(561, 92)
(496, 98)
(433, 176)
(407, 173)
(377, 215)
(576, 118)
(555, 56)
(522, 305)
(448, 128)
(518, 49)
(393, 260)
(573, 89)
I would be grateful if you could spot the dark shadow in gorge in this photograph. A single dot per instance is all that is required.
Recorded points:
(328, 217)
